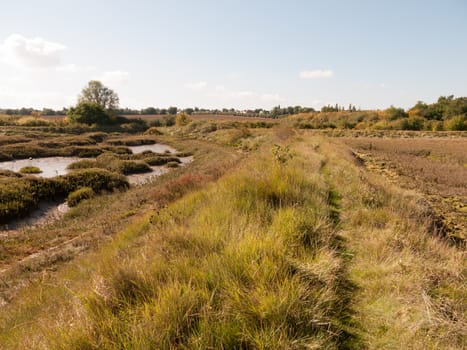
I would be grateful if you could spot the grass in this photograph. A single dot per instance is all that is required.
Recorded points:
(435, 167)
(202, 282)
(94, 221)
(244, 248)
(75, 197)
(30, 170)
(410, 282)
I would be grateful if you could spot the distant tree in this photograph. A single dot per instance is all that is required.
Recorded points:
(48, 111)
(149, 110)
(393, 113)
(172, 110)
(89, 113)
(330, 108)
(188, 111)
(96, 92)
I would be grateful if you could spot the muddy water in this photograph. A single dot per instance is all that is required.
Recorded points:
(50, 166)
(156, 148)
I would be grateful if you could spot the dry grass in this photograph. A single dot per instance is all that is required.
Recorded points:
(437, 167)
(410, 284)
(312, 252)
(96, 220)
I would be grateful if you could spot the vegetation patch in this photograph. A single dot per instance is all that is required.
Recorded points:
(75, 197)
(18, 196)
(30, 170)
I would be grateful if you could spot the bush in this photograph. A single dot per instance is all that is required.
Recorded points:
(98, 179)
(172, 165)
(89, 113)
(128, 167)
(79, 195)
(182, 119)
(158, 160)
(411, 123)
(153, 131)
(32, 121)
(30, 170)
(457, 123)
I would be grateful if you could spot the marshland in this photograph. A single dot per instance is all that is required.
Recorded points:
(231, 175)
(252, 236)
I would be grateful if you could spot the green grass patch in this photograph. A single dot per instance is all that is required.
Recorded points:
(75, 197)
(30, 170)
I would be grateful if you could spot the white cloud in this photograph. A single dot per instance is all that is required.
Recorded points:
(74, 68)
(316, 74)
(21, 97)
(115, 77)
(247, 97)
(196, 86)
(243, 94)
(35, 52)
(272, 98)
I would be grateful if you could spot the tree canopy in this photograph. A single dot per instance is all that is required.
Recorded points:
(89, 113)
(96, 92)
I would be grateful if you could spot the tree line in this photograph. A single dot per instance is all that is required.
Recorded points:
(98, 104)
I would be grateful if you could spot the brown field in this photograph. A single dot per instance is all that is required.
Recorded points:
(436, 167)
(217, 117)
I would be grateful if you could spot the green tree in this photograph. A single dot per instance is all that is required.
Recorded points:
(89, 113)
(393, 113)
(96, 92)
(172, 110)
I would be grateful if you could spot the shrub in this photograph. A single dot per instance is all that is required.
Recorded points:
(153, 131)
(172, 165)
(158, 160)
(128, 167)
(457, 123)
(79, 195)
(30, 170)
(411, 123)
(98, 179)
(182, 119)
(32, 121)
(89, 113)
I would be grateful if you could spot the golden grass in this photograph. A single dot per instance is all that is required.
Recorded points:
(435, 167)
(250, 262)
(309, 253)
(411, 284)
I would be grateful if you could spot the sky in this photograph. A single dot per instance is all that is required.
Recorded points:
(233, 53)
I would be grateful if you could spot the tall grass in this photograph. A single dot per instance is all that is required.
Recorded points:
(249, 263)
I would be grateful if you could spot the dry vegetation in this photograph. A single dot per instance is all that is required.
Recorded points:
(437, 167)
(272, 238)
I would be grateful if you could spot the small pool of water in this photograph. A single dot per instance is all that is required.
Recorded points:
(50, 166)
(156, 148)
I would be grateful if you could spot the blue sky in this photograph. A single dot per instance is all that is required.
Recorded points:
(240, 54)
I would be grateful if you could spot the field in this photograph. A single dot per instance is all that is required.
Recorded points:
(198, 116)
(436, 167)
(272, 238)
